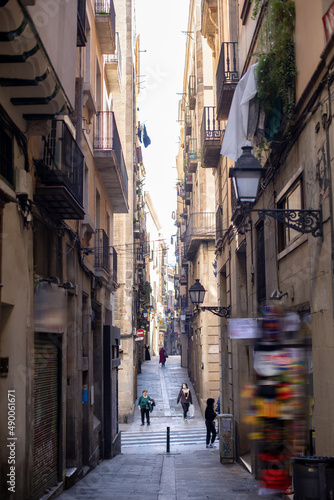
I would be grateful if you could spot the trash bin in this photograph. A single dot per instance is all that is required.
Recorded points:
(313, 478)
(226, 438)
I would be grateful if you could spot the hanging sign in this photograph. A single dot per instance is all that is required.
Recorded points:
(243, 328)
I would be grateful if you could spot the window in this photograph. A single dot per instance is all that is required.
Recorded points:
(292, 200)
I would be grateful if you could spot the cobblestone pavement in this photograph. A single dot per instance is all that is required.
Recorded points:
(145, 470)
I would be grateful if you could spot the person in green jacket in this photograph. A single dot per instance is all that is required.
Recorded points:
(143, 402)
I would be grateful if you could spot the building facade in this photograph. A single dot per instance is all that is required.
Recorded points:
(288, 122)
(66, 176)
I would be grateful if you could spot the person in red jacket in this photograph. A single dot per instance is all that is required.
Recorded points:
(162, 356)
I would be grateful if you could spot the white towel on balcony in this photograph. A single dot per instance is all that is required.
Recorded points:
(236, 129)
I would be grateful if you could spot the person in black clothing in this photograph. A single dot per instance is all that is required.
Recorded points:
(147, 353)
(210, 415)
(186, 399)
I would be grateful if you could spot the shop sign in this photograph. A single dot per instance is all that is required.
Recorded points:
(50, 311)
(243, 328)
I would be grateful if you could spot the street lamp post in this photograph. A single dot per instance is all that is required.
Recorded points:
(197, 294)
(246, 177)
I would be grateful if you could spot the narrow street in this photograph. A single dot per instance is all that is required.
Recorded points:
(145, 470)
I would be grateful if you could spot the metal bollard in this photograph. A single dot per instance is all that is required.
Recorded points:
(168, 440)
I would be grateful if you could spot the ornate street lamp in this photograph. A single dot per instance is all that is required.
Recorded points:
(246, 177)
(197, 293)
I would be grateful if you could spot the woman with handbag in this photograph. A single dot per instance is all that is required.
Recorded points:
(186, 399)
(144, 408)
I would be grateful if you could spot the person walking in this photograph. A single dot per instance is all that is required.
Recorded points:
(162, 356)
(147, 353)
(210, 415)
(143, 405)
(186, 399)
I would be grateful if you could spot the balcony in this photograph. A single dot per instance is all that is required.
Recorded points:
(188, 183)
(211, 137)
(192, 156)
(105, 18)
(27, 76)
(187, 197)
(109, 160)
(184, 276)
(59, 185)
(140, 257)
(192, 91)
(227, 78)
(105, 258)
(201, 227)
(113, 264)
(113, 68)
(136, 229)
(187, 121)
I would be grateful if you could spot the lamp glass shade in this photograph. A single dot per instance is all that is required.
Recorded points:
(197, 292)
(246, 184)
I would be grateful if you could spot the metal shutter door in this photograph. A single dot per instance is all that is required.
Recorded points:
(46, 416)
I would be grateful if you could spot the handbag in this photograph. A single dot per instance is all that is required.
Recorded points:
(191, 410)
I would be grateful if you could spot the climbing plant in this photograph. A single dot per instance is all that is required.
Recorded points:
(276, 70)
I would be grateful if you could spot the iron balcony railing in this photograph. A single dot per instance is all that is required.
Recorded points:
(187, 119)
(211, 137)
(115, 58)
(106, 138)
(105, 255)
(106, 7)
(192, 91)
(227, 70)
(102, 260)
(192, 155)
(211, 130)
(227, 77)
(62, 160)
(113, 258)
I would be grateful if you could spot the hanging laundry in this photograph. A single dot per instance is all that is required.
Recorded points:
(146, 139)
(236, 132)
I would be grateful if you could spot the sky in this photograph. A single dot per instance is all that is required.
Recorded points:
(160, 25)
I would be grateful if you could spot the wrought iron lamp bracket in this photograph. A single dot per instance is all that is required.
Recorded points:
(301, 220)
(222, 312)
